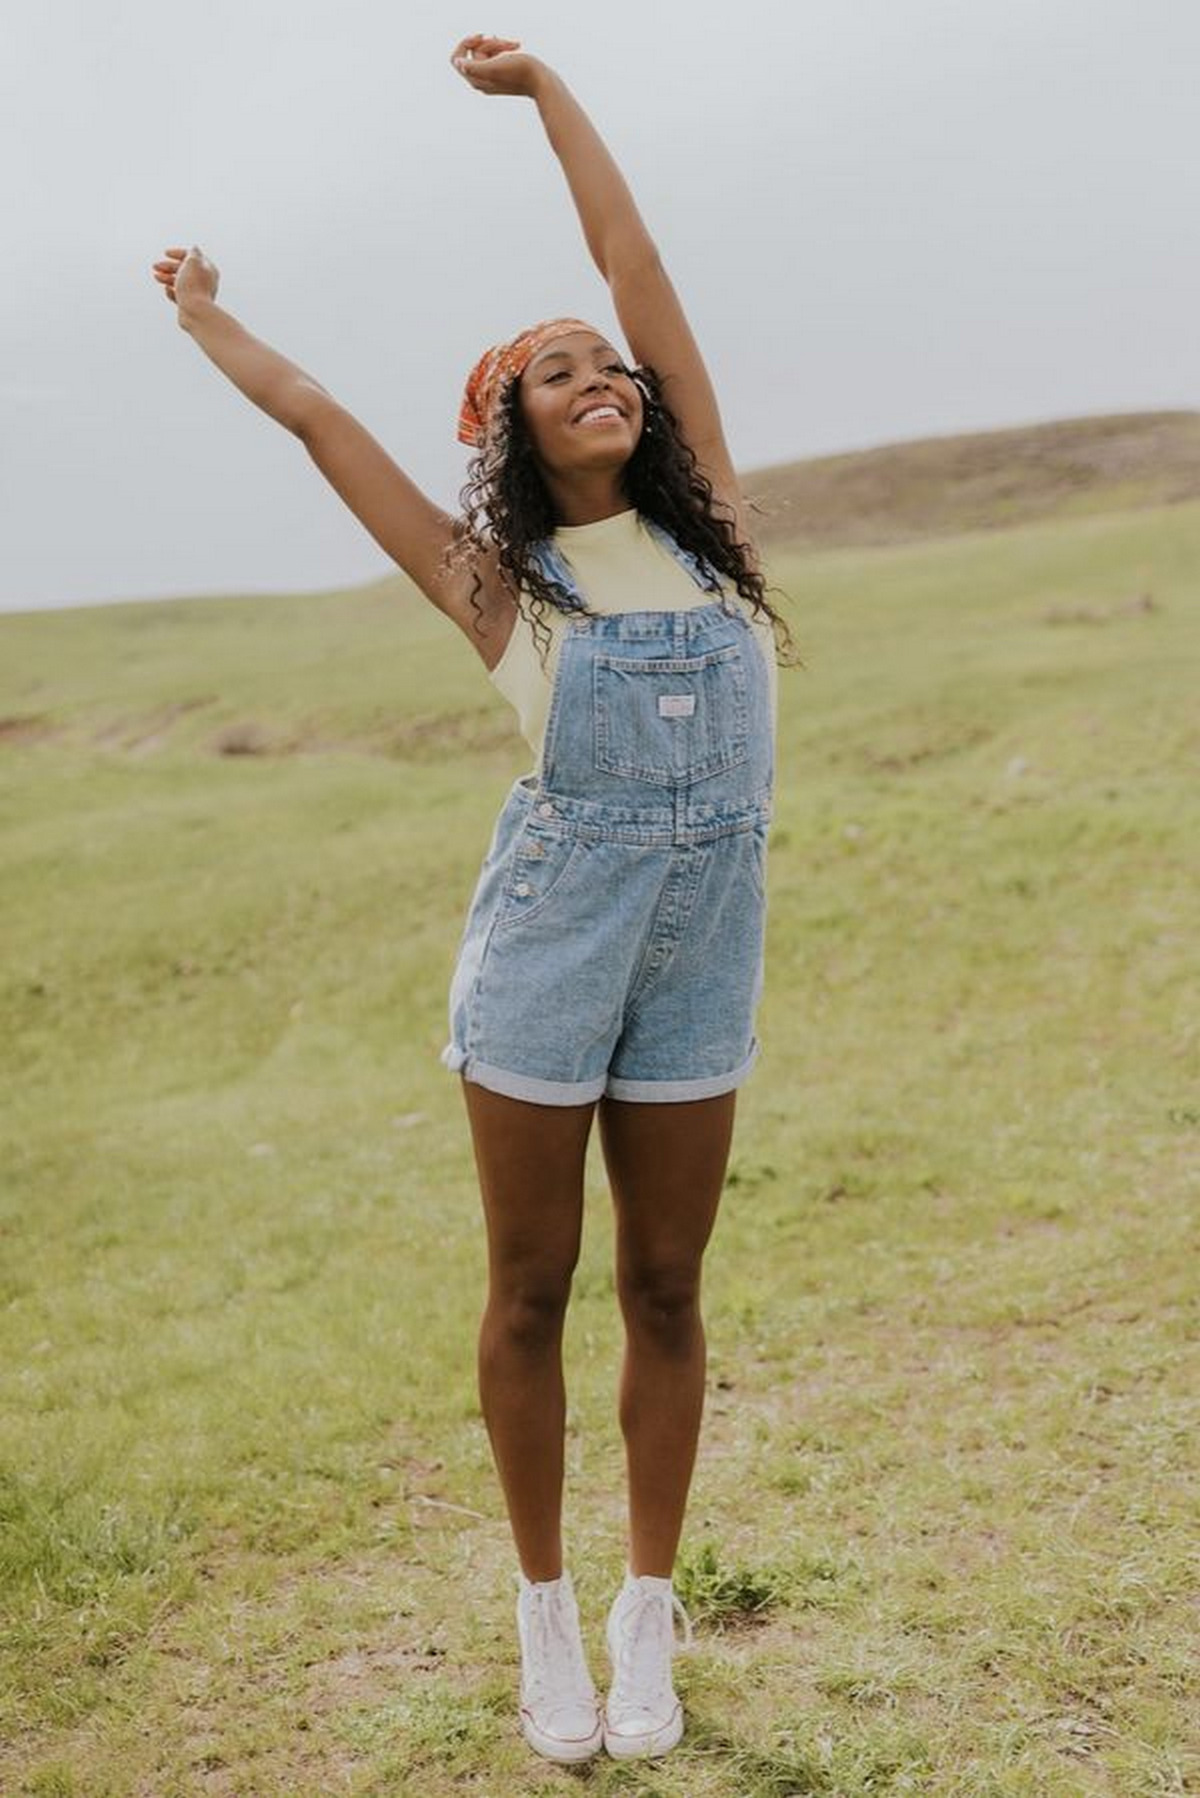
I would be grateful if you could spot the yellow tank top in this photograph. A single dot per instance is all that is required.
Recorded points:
(619, 567)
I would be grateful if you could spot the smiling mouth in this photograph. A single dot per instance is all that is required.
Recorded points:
(602, 415)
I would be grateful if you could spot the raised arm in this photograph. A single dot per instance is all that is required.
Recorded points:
(651, 316)
(406, 524)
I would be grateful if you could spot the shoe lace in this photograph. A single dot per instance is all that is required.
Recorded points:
(557, 1671)
(646, 1643)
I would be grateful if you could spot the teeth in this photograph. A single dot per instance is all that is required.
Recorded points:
(599, 412)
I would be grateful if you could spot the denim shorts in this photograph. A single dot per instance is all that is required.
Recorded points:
(614, 941)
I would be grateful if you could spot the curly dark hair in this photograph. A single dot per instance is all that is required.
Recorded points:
(505, 502)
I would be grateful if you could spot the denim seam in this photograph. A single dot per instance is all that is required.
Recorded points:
(639, 991)
(668, 1091)
(535, 1089)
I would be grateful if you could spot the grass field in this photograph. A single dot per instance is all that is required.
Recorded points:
(942, 1537)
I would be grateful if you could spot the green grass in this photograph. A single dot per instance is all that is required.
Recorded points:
(941, 1538)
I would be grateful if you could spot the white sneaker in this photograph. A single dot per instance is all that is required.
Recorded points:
(642, 1715)
(560, 1714)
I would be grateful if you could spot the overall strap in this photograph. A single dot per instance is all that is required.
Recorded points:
(553, 567)
(706, 580)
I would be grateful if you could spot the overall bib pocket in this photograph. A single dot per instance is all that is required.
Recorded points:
(670, 720)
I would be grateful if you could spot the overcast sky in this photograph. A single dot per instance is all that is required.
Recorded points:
(887, 218)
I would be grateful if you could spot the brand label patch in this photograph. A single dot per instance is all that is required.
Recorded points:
(676, 705)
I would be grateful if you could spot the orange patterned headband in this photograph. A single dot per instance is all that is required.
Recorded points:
(501, 364)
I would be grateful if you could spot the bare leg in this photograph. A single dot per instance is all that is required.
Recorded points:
(531, 1164)
(666, 1166)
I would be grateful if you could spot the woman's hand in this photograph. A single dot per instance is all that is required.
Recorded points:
(497, 65)
(188, 276)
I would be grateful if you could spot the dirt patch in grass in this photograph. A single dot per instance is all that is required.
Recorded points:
(28, 727)
(428, 739)
(373, 1675)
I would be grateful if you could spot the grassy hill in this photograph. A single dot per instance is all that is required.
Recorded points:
(941, 1538)
(987, 480)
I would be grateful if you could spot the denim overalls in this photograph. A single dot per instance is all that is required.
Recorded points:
(614, 942)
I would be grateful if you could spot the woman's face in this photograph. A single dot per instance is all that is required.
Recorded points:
(582, 410)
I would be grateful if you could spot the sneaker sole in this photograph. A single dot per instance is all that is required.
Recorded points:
(554, 1748)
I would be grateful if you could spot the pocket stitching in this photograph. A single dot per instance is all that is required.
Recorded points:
(506, 916)
(733, 751)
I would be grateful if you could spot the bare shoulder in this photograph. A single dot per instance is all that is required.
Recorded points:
(477, 596)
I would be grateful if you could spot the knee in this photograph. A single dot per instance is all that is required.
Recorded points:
(662, 1301)
(527, 1311)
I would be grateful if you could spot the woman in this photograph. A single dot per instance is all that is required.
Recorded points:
(612, 954)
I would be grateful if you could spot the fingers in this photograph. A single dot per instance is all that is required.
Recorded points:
(479, 47)
(483, 41)
(168, 265)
